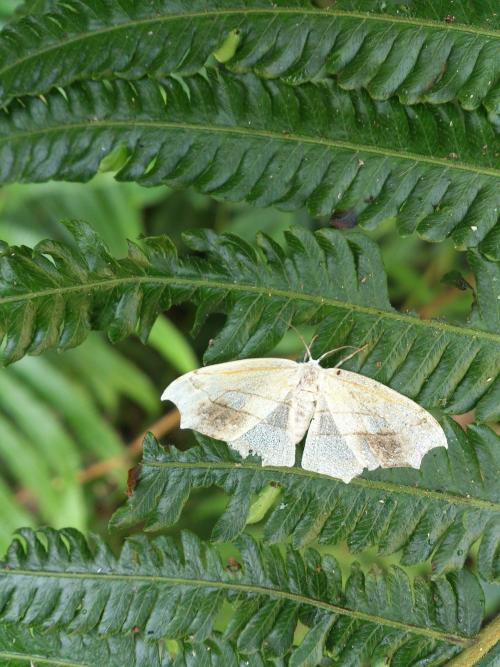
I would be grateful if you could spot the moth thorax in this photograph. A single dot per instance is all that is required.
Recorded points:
(303, 402)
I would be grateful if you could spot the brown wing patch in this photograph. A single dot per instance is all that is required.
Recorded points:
(220, 416)
(387, 448)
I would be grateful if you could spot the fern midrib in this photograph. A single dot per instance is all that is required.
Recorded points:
(249, 589)
(279, 11)
(388, 487)
(257, 134)
(476, 334)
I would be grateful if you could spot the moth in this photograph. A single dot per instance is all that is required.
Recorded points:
(266, 406)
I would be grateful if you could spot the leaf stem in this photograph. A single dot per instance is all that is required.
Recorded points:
(265, 135)
(390, 487)
(486, 640)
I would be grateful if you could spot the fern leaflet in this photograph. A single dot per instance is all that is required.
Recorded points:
(439, 511)
(413, 53)
(264, 142)
(23, 647)
(178, 592)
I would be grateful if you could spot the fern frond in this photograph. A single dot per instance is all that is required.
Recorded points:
(241, 138)
(53, 295)
(178, 592)
(218, 652)
(436, 512)
(21, 647)
(415, 54)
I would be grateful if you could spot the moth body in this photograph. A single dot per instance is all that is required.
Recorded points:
(303, 400)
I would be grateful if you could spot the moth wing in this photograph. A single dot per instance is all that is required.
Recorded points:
(246, 403)
(360, 423)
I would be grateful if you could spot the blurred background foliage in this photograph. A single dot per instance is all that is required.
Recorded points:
(64, 415)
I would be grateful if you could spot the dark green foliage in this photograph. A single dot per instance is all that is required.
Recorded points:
(437, 512)
(243, 138)
(418, 53)
(368, 647)
(361, 110)
(30, 7)
(22, 647)
(53, 295)
(55, 581)
(217, 652)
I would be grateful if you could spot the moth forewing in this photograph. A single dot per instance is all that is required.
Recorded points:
(226, 401)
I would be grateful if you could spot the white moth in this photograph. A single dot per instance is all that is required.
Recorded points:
(266, 406)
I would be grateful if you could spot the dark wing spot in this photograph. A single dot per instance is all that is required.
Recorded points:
(387, 448)
(221, 416)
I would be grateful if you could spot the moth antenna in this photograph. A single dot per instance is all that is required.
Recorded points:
(308, 347)
(350, 356)
(330, 352)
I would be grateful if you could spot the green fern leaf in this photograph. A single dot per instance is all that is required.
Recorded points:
(53, 295)
(416, 53)
(241, 138)
(21, 646)
(179, 592)
(29, 7)
(46, 303)
(218, 652)
(436, 512)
